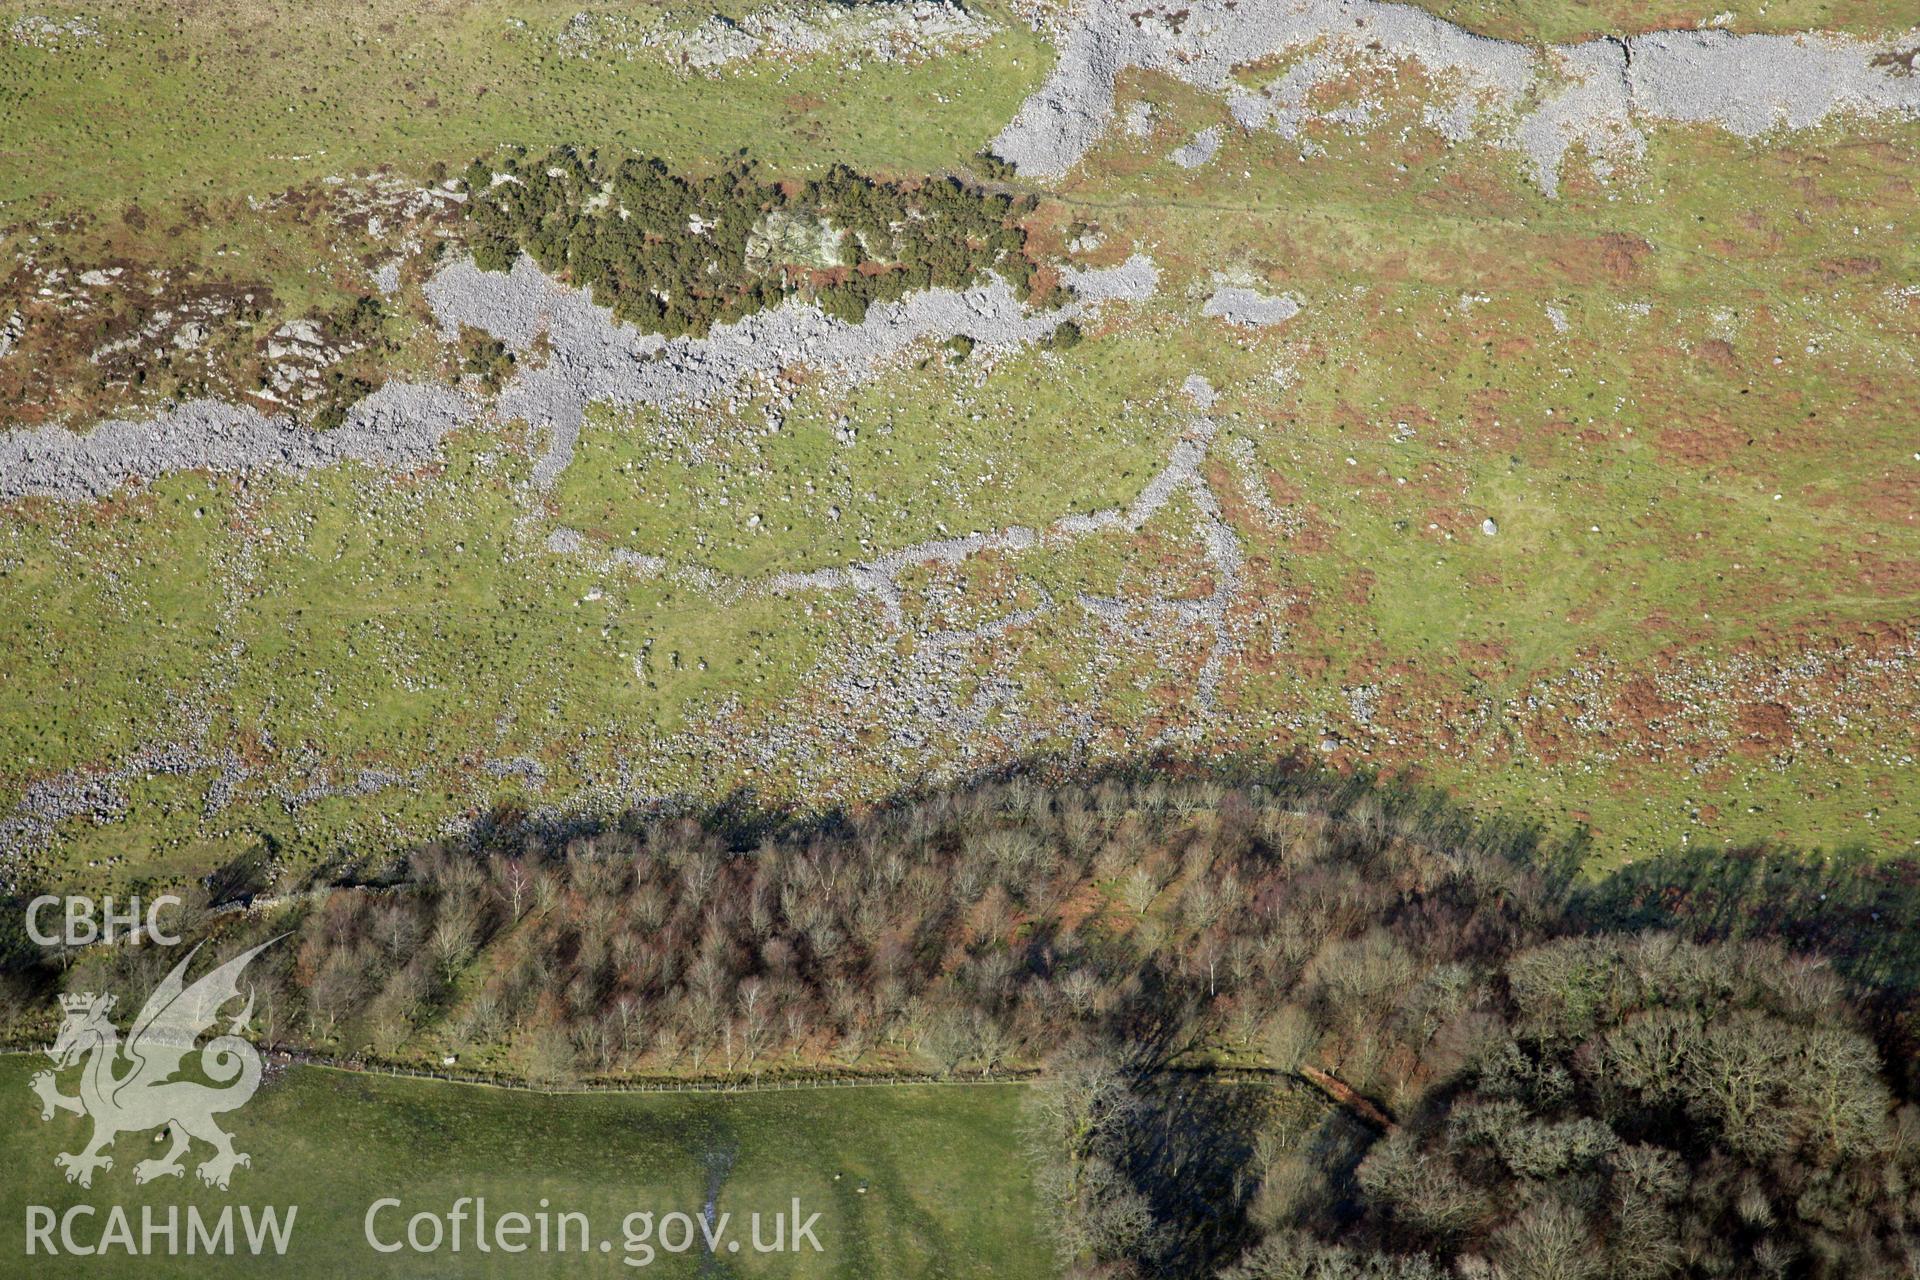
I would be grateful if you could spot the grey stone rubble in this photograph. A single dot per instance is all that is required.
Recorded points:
(1752, 84)
(936, 705)
(366, 782)
(1594, 109)
(590, 359)
(186, 325)
(100, 796)
(1282, 105)
(1254, 490)
(524, 768)
(1248, 308)
(936, 690)
(934, 693)
(879, 577)
(1200, 150)
(398, 426)
(892, 31)
(571, 542)
(300, 354)
(563, 541)
(1196, 388)
(1134, 280)
(1223, 548)
(38, 31)
(175, 317)
(593, 359)
(1594, 94)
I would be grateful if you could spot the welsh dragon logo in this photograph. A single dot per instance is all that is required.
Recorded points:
(132, 1089)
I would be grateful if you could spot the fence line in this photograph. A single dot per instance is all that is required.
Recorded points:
(281, 1058)
(749, 1084)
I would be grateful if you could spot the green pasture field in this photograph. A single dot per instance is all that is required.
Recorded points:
(927, 1181)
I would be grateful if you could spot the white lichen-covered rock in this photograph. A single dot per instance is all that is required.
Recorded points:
(38, 31)
(1200, 150)
(595, 359)
(1249, 308)
(1596, 96)
(590, 358)
(400, 425)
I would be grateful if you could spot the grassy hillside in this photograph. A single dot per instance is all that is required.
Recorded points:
(1676, 396)
(1556, 20)
(173, 101)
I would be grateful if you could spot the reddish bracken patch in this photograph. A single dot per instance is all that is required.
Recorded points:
(1640, 704)
(1615, 257)
(1703, 440)
(1718, 352)
(1765, 728)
